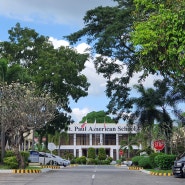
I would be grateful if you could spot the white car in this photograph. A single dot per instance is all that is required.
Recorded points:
(49, 159)
(63, 162)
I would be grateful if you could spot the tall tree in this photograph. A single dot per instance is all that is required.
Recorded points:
(134, 32)
(57, 71)
(108, 30)
(146, 112)
(23, 110)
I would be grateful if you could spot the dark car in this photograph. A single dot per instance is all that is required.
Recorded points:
(179, 167)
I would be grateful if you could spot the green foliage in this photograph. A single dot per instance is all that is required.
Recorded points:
(152, 159)
(80, 160)
(25, 155)
(92, 161)
(110, 159)
(91, 153)
(118, 161)
(159, 36)
(99, 116)
(144, 162)
(11, 162)
(165, 161)
(135, 160)
(101, 154)
(9, 153)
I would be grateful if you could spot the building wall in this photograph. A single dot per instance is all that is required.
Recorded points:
(97, 136)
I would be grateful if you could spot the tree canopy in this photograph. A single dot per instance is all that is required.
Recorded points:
(146, 37)
(57, 71)
(98, 117)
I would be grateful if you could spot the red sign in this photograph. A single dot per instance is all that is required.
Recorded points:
(120, 152)
(159, 144)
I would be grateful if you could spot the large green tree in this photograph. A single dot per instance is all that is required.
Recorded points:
(145, 36)
(57, 71)
(159, 36)
(108, 29)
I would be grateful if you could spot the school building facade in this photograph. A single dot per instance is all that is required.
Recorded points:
(99, 135)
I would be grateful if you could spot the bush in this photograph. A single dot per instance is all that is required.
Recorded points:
(135, 160)
(101, 154)
(118, 161)
(110, 159)
(9, 153)
(11, 162)
(165, 161)
(91, 161)
(144, 162)
(81, 160)
(91, 153)
(152, 159)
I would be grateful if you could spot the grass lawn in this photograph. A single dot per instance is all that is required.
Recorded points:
(159, 171)
(3, 167)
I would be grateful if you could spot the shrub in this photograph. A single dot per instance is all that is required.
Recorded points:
(9, 153)
(118, 161)
(165, 161)
(91, 161)
(144, 162)
(135, 160)
(152, 159)
(11, 162)
(83, 159)
(110, 159)
(91, 153)
(101, 154)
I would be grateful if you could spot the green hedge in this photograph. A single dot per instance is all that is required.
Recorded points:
(144, 162)
(165, 161)
(152, 159)
(135, 160)
(91, 153)
(11, 162)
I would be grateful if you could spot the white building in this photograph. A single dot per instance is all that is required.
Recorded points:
(108, 136)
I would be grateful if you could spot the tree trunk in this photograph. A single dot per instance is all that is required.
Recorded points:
(20, 159)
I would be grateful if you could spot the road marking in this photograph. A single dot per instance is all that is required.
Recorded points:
(93, 176)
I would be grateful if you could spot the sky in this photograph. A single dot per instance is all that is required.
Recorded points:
(56, 19)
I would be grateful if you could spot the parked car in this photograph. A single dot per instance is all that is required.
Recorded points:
(178, 168)
(47, 159)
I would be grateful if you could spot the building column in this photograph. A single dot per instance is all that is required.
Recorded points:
(90, 140)
(117, 146)
(111, 153)
(101, 139)
(80, 152)
(74, 144)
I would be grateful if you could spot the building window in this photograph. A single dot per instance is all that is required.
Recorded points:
(82, 139)
(110, 139)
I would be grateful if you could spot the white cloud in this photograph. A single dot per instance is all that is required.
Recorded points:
(77, 114)
(57, 43)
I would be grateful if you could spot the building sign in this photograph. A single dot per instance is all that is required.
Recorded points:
(100, 128)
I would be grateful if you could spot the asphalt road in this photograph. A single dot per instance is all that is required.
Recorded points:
(89, 175)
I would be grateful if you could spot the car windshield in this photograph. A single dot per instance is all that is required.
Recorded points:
(181, 159)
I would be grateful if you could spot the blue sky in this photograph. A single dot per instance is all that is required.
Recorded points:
(57, 18)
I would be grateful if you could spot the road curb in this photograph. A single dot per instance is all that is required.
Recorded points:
(50, 166)
(25, 171)
(135, 168)
(160, 174)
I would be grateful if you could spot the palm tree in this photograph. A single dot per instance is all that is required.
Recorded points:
(146, 112)
(167, 98)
